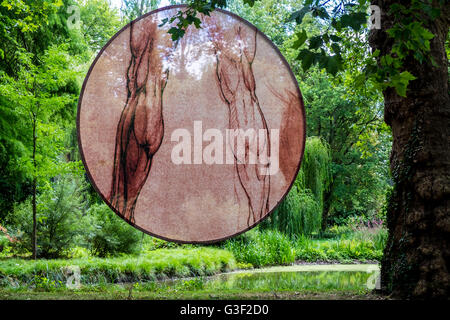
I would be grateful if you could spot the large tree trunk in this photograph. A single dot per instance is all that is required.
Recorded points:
(416, 260)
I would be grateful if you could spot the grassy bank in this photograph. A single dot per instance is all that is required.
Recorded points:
(262, 248)
(162, 260)
(157, 264)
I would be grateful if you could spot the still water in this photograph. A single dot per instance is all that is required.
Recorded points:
(290, 278)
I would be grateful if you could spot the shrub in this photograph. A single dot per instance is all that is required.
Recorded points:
(58, 215)
(151, 243)
(269, 247)
(108, 234)
(4, 242)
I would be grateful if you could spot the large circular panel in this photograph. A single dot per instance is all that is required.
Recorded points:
(194, 140)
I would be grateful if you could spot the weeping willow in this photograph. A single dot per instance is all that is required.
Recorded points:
(316, 169)
(301, 210)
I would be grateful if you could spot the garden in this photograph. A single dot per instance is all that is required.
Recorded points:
(326, 239)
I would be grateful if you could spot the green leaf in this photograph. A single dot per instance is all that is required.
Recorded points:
(307, 57)
(299, 15)
(315, 42)
(301, 38)
(251, 3)
(176, 33)
(322, 58)
(163, 22)
(336, 24)
(335, 38)
(336, 48)
(400, 82)
(334, 64)
(354, 20)
(320, 12)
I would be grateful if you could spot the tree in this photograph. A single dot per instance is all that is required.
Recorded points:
(301, 211)
(351, 122)
(59, 215)
(18, 21)
(99, 22)
(133, 9)
(410, 65)
(416, 259)
(35, 93)
(42, 56)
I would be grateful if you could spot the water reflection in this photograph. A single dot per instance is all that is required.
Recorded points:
(275, 281)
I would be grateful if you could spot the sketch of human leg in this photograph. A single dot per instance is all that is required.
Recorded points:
(141, 127)
(235, 49)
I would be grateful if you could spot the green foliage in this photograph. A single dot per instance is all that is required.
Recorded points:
(316, 175)
(261, 248)
(301, 211)
(40, 66)
(42, 59)
(107, 234)
(151, 243)
(58, 215)
(340, 250)
(42, 283)
(4, 244)
(350, 121)
(270, 247)
(409, 34)
(132, 9)
(158, 264)
(410, 39)
(34, 97)
(99, 22)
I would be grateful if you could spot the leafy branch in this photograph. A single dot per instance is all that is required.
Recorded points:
(409, 36)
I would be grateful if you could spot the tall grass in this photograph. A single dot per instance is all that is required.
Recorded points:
(271, 247)
(261, 248)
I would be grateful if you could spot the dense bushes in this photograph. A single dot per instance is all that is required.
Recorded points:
(64, 221)
(107, 234)
(58, 215)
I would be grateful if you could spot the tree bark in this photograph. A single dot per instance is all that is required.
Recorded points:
(416, 260)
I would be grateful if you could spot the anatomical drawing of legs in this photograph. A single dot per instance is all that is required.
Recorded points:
(235, 50)
(141, 127)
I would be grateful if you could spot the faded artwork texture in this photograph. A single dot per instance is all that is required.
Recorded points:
(192, 140)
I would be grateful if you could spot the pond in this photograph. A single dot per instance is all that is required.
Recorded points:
(285, 278)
